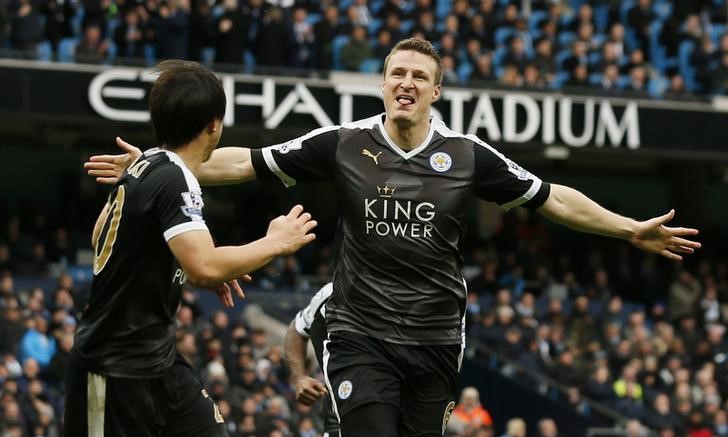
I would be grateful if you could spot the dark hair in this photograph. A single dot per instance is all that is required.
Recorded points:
(184, 99)
(418, 45)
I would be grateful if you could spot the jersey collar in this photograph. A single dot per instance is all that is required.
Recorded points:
(396, 148)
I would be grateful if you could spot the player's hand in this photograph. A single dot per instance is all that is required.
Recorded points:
(225, 291)
(107, 169)
(653, 236)
(292, 231)
(309, 390)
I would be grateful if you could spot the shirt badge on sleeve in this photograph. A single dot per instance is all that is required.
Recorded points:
(193, 204)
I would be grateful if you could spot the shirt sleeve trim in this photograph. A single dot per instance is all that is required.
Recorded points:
(184, 227)
(273, 166)
(528, 195)
(301, 326)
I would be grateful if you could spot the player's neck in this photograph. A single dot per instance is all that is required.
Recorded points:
(407, 137)
(192, 154)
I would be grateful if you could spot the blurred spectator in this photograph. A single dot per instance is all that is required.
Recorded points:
(639, 18)
(324, 32)
(516, 55)
(58, 16)
(303, 39)
(483, 69)
(469, 414)
(129, 36)
(685, 289)
(515, 428)
(92, 49)
(273, 43)
(231, 34)
(547, 428)
(173, 30)
(25, 27)
(356, 50)
(384, 44)
(36, 343)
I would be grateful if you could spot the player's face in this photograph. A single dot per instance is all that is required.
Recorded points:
(409, 88)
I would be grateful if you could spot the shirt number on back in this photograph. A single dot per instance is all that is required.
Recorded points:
(105, 241)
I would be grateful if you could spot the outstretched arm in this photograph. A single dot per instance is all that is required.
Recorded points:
(209, 266)
(308, 390)
(571, 208)
(227, 165)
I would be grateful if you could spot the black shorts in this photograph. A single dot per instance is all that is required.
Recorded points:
(420, 381)
(172, 405)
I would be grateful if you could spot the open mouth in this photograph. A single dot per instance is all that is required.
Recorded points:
(405, 100)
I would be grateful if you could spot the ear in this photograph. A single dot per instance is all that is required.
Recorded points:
(211, 127)
(436, 93)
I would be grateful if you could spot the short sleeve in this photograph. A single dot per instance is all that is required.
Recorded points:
(306, 159)
(175, 201)
(500, 180)
(305, 318)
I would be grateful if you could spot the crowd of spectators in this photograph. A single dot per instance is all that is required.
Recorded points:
(638, 48)
(640, 335)
(660, 362)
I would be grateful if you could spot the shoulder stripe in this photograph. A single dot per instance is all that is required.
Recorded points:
(294, 144)
(367, 123)
(512, 166)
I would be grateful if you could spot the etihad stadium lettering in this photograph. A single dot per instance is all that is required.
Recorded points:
(120, 94)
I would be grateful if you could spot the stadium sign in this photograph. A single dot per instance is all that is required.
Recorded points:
(521, 118)
(103, 96)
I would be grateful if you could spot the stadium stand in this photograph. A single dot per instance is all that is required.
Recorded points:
(657, 27)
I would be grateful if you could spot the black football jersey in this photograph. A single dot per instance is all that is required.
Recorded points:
(403, 218)
(128, 327)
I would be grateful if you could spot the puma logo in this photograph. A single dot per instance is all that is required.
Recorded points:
(366, 152)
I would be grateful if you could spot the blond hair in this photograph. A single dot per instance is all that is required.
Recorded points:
(418, 45)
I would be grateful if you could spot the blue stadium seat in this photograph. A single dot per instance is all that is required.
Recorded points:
(502, 34)
(601, 17)
(406, 26)
(684, 51)
(312, 19)
(464, 72)
(566, 38)
(77, 19)
(631, 41)
(663, 9)
(442, 9)
(208, 55)
(150, 54)
(371, 65)
(536, 17)
(336, 47)
(595, 78)
(657, 85)
(249, 60)
(111, 54)
(67, 49)
(716, 31)
(44, 51)
(624, 10)
(560, 78)
(657, 54)
(561, 56)
(498, 55)
(374, 26)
